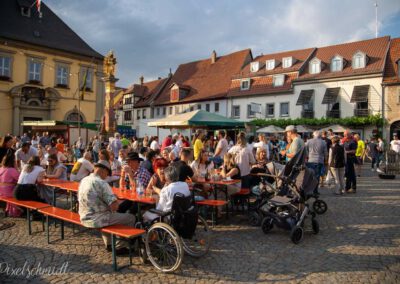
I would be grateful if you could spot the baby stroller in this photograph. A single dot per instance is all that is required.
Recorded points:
(288, 209)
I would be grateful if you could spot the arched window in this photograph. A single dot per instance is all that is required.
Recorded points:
(337, 64)
(359, 60)
(315, 66)
(74, 116)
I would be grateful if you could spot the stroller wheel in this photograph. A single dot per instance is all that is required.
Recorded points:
(254, 219)
(320, 206)
(315, 226)
(267, 224)
(296, 235)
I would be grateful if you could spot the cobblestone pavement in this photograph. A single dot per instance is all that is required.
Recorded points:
(359, 242)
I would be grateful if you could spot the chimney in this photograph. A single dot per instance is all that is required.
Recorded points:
(141, 80)
(213, 57)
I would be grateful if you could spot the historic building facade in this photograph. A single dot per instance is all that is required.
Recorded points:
(47, 72)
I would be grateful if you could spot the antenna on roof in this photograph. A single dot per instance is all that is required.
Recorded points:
(376, 18)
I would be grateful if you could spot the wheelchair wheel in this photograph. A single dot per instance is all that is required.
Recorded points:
(200, 242)
(315, 226)
(254, 219)
(164, 247)
(267, 224)
(320, 206)
(296, 235)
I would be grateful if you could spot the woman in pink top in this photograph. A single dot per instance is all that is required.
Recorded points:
(8, 179)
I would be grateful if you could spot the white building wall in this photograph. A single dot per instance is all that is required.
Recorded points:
(346, 90)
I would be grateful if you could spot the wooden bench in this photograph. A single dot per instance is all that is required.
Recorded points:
(212, 203)
(29, 205)
(243, 196)
(114, 230)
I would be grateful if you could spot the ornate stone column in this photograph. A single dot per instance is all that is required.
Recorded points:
(15, 95)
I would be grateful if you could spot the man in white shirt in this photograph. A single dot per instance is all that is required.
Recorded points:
(82, 168)
(155, 146)
(23, 154)
(168, 192)
(395, 144)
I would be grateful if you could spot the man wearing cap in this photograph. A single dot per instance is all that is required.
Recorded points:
(132, 174)
(98, 204)
(296, 145)
(23, 154)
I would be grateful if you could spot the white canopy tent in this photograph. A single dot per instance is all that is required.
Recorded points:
(271, 129)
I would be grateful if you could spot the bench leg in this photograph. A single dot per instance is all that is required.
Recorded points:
(48, 229)
(114, 252)
(62, 229)
(54, 197)
(28, 219)
(43, 227)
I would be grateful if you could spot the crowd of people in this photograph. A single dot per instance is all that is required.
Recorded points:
(162, 168)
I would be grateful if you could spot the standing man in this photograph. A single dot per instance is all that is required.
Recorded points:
(221, 149)
(116, 144)
(350, 147)
(372, 152)
(296, 145)
(317, 154)
(98, 205)
(96, 149)
(359, 153)
(381, 150)
(23, 154)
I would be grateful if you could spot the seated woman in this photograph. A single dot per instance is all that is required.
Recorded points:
(32, 173)
(173, 186)
(157, 180)
(230, 170)
(261, 162)
(116, 168)
(8, 179)
(203, 169)
(55, 170)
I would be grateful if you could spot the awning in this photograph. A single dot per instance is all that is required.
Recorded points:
(331, 95)
(271, 129)
(197, 118)
(305, 97)
(360, 94)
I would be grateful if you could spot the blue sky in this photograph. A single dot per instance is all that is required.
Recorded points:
(151, 36)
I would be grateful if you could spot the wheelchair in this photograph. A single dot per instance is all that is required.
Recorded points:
(173, 233)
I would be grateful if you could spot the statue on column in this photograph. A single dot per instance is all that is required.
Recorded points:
(108, 122)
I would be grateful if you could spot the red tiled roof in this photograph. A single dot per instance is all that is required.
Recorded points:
(375, 49)
(261, 86)
(392, 61)
(299, 57)
(206, 80)
(146, 91)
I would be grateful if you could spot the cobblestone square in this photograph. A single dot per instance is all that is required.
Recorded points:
(359, 242)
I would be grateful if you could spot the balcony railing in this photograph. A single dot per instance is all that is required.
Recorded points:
(333, 113)
(362, 112)
(307, 114)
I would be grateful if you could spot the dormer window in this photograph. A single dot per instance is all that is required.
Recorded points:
(315, 66)
(178, 93)
(278, 80)
(254, 66)
(26, 11)
(270, 64)
(287, 62)
(337, 64)
(245, 84)
(359, 60)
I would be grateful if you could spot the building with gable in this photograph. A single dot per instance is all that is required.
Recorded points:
(43, 66)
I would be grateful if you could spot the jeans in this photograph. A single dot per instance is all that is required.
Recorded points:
(350, 174)
(379, 159)
(374, 161)
(317, 168)
(95, 156)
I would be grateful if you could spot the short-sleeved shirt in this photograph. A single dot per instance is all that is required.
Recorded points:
(168, 192)
(244, 158)
(197, 147)
(395, 145)
(81, 169)
(317, 150)
(154, 145)
(95, 197)
(360, 148)
(31, 177)
(223, 145)
(296, 145)
(24, 157)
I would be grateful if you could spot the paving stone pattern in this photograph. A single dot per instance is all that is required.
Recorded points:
(359, 242)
